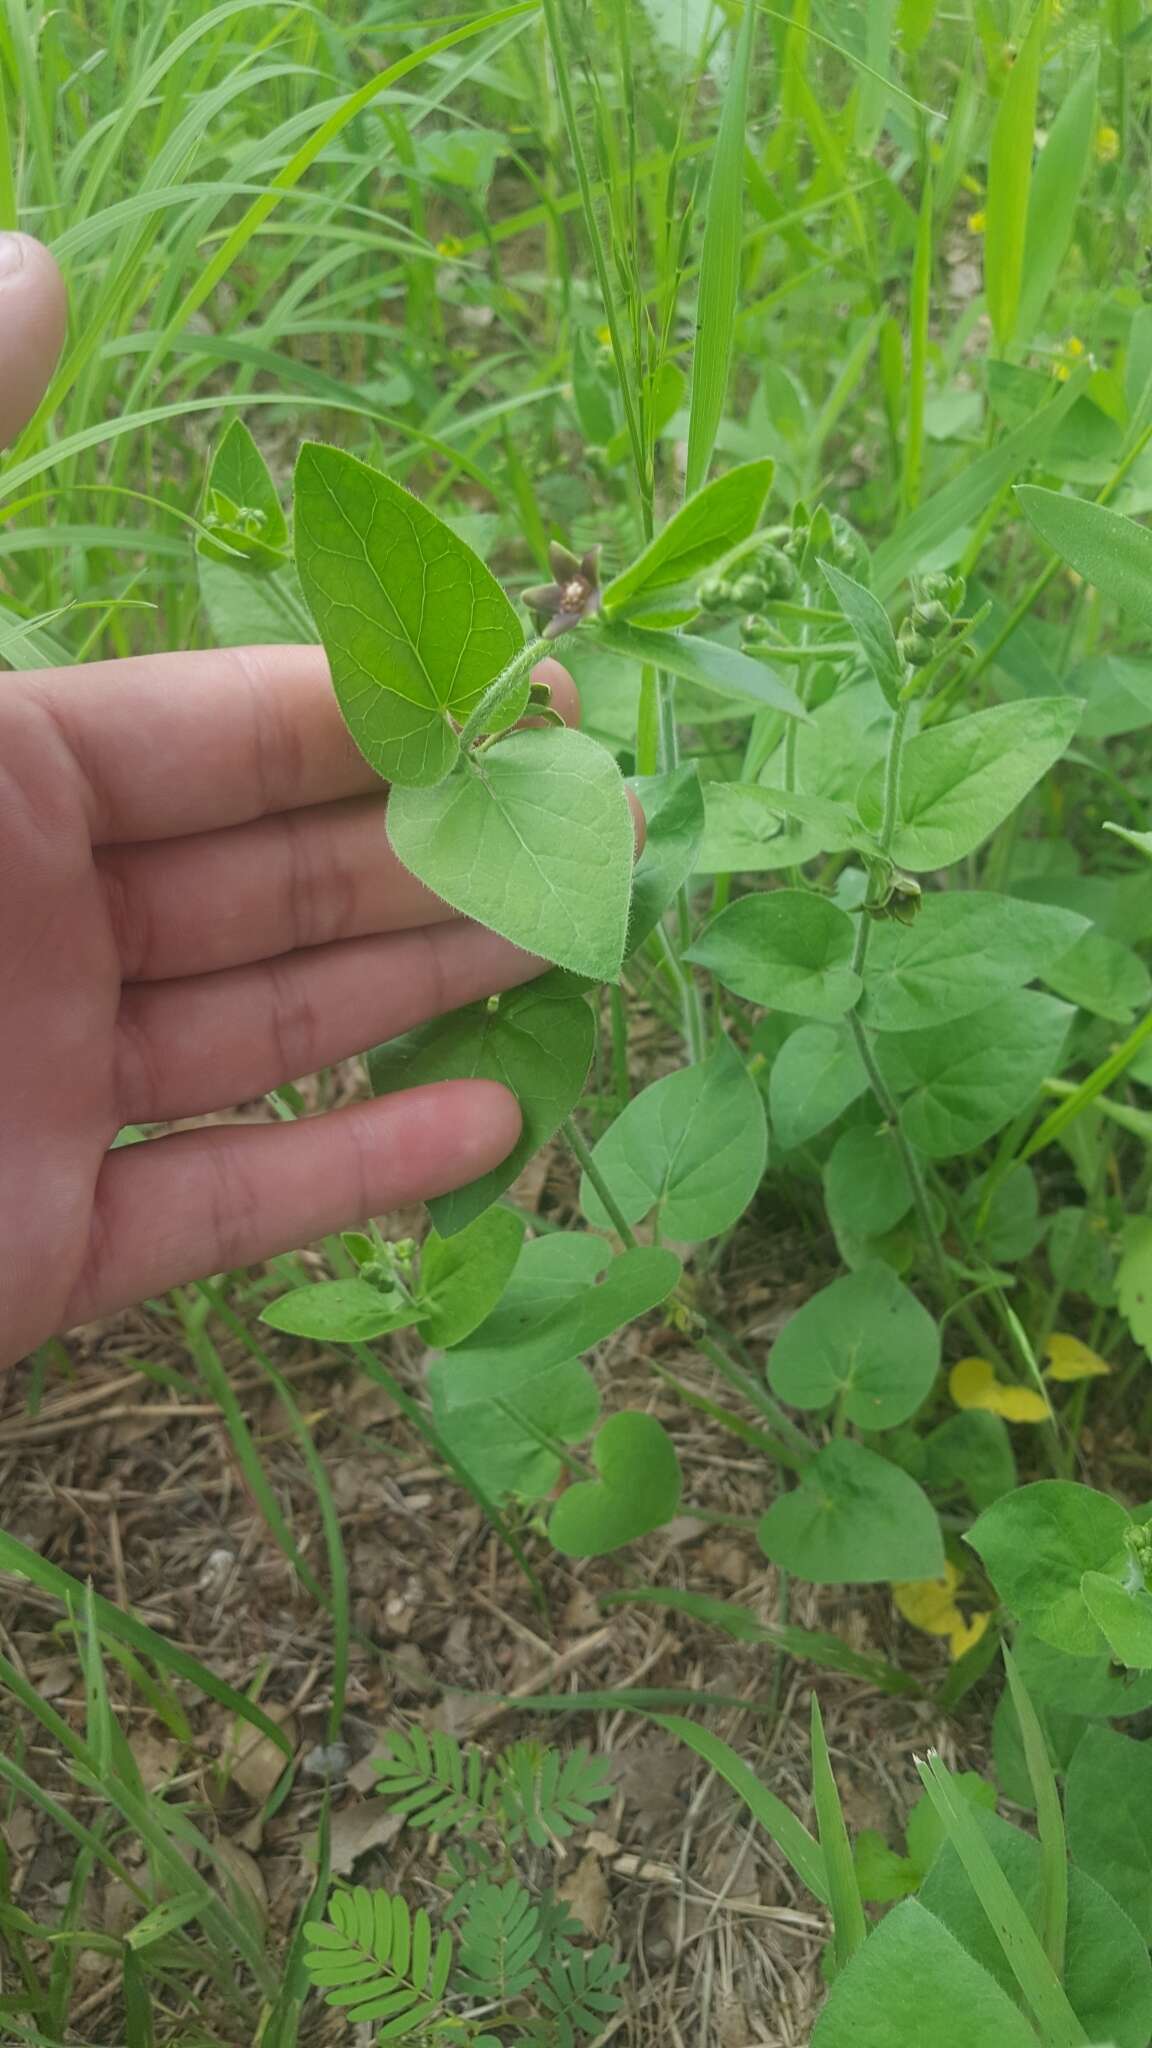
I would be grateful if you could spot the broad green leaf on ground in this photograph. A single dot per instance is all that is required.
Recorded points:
(503, 1421)
(673, 807)
(961, 1082)
(532, 837)
(787, 949)
(535, 1043)
(853, 1519)
(1108, 1815)
(465, 157)
(1110, 551)
(1101, 975)
(692, 1147)
(863, 1344)
(340, 1312)
(743, 835)
(912, 1981)
(413, 624)
(707, 663)
(1134, 1279)
(1056, 183)
(866, 1190)
(964, 949)
(872, 629)
(1036, 1545)
(1005, 1221)
(1107, 1975)
(569, 1293)
(724, 513)
(960, 781)
(1010, 154)
(1092, 1688)
(638, 1489)
(972, 1450)
(242, 507)
(463, 1277)
(1124, 1616)
(745, 830)
(815, 1077)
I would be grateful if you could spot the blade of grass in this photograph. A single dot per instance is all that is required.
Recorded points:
(919, 303)
(1049, 1818)
(720, 264)
(848, 1924)
(1010, 180)
(791, 1837)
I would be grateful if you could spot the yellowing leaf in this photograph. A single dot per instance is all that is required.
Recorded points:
(930, 1604)
(973, 1384)
(967, 1634)
(1069, 1359)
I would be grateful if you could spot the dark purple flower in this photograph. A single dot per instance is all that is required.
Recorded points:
(575, 594)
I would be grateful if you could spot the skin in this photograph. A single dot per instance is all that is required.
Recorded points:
(198, 903)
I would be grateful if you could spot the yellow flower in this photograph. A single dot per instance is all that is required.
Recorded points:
(931, 1605)
(1107, 144)
(973, 1384)
(1069, 1359)
(604, 335)
(450, 246)
(977, 222)
(1074, 350)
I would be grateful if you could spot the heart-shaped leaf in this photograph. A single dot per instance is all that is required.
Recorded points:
(413, 624)
(866, 1189)
(567, 1294)
(503, 1418)
(638, 1489)
(853, 1519)
(864, 1342)
(463, 1277)
(537, 1041)
(692, 1147)
(962, 1081)
(532, 837)
(340, 1312)
(965, 950)
(816, 1075)
(787, 949)
(1124, 1614)
(673, 807)
(1036, 1545)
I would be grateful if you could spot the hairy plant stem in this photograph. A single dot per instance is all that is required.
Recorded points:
(587, 1164)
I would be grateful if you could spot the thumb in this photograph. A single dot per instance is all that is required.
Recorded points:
(33, 317)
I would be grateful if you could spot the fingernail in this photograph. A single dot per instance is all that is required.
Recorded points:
(11, 254)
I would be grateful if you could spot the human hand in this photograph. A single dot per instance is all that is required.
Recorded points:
(198, 903)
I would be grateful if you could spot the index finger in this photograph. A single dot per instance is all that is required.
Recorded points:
(171, 744)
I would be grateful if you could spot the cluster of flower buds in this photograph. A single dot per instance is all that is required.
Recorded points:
(763, 575)
(930, 618)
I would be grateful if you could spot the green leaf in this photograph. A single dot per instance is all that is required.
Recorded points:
(1134, 1279)
(1102, 976)
(815, 1077)
(1036, 1545)
(504, 1420)
(962, 1081)
(569, 1293)
(1111, 552)
(853, 1519)
(340, 1312)
(692, 1147)
(707, 663)
(1087, 1687)
(1108, 1814)
(964, 950)
(1108, 1977)
(1010, 180)
(871, 626)
(463, 1277)
(777, 1820)
(638, 1489)
(242, 506)
(881, 1874)
(534, 1041)
(972, 1450)
(720, 263)
(849, 1927)
(911, 1982)
(866, 1189)
(863, 1343)
(673, 807)
(1057, 181)
(532, 837)
(1124, 1615)
(413, 624)
(959, 781)
(788, 949)
(724, 513)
